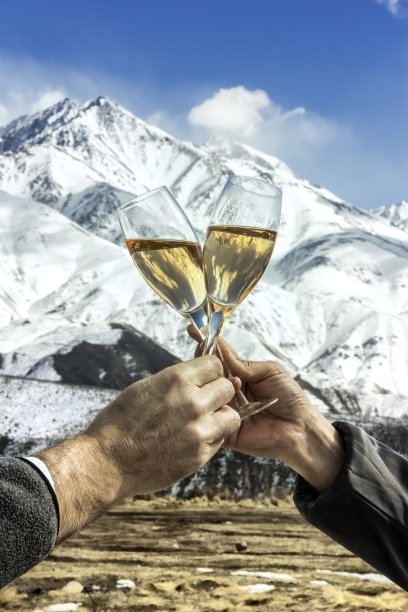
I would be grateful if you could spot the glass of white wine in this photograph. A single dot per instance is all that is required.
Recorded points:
(239, 244)
(165, 249)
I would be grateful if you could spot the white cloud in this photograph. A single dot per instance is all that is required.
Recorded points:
(46, 99)
(17, 102)
(252, 117)
(4, 114)
(28, 87)
(235, 110)
(399, 8)
(317, 147)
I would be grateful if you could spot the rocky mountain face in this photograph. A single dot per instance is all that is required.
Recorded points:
(332, 305)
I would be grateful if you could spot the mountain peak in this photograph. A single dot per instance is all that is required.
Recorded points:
(28, 127)
(37, 128)
(397, 214)
(100, 101)
(232, 149)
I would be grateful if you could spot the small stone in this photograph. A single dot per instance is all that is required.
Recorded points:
(176, 546)
(72, 587)
(241, 546)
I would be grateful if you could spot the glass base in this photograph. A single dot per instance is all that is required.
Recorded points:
(248, 409)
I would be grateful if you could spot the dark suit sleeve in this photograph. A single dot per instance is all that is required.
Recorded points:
(366, 507)
(28, 518)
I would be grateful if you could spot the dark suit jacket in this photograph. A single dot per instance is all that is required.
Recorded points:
(28, 518)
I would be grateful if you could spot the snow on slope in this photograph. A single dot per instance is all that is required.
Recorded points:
(332, 306)
(32, 418)
(60, 285)
(47, 259)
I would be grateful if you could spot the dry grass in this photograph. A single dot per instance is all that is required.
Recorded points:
(161, 544)
(8, 596)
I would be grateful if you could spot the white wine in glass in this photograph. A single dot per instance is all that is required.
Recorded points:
(165, 249)
(239, 244)
(236, 258)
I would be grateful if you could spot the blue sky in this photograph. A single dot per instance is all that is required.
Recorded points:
(322, 84)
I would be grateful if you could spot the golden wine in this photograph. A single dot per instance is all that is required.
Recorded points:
(173, 269)
(234, 260)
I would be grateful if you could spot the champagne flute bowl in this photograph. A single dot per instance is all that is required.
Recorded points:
(165, 249)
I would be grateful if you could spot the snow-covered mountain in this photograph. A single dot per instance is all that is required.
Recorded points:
(397, 214)
(332, 306)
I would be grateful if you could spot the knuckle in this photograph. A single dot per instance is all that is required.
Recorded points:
(235, 424)
(178, 378)
(192, 406)
(277, 368)
(197, 436)
(215, 365)
(231, 421)
(226, 389)
(234, 420)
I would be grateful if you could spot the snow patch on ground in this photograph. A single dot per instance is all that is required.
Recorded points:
(371, 577)
(270, 575)
(125, 583)
(259, 588)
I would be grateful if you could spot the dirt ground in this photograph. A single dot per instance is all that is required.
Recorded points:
(190, 556)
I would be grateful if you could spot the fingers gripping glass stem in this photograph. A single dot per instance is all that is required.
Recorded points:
(240, 403)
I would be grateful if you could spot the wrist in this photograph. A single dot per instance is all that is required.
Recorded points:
(317, 452)
(86, 483)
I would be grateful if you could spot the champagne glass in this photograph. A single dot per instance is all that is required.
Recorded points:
(239, 244)
(165, 249)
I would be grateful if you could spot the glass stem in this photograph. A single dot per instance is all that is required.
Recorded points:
(198, 318)
(239, 402)
(214, 328)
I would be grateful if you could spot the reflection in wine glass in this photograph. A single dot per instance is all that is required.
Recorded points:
(166, 251)
(240, 240)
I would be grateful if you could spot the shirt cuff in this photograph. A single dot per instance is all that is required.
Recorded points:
(43, 469)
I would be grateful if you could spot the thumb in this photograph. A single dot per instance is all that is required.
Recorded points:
(247, 371)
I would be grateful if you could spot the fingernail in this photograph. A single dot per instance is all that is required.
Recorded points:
(236, 382)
